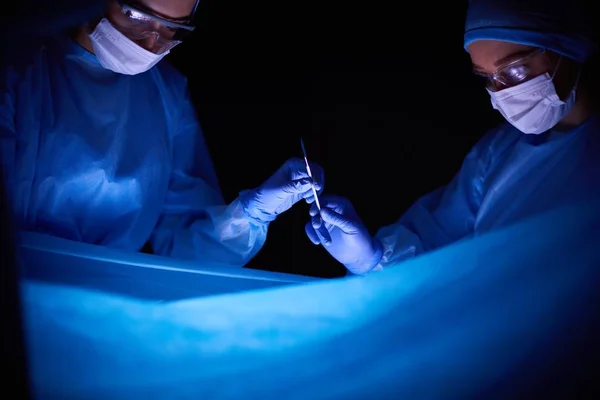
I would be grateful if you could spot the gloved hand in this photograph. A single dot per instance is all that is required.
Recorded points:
(343, 235)
(282, 190)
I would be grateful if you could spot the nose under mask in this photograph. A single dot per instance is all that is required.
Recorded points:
(118, 53)
(533, 107)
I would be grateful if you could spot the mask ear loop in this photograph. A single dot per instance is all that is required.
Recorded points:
(556, 68)
(574, 88)
(577, 79)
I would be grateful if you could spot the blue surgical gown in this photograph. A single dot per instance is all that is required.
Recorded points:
(507, 176)
(115, 160)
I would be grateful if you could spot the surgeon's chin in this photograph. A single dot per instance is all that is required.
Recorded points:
(81, 36)
(581, 111)
(575, 117)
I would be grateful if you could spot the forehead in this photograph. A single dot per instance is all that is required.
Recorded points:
(173, 9)
(488, 55)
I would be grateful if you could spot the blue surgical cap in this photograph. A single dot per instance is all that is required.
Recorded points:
(563, 26)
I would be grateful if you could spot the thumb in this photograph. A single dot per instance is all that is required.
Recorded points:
(344, 223)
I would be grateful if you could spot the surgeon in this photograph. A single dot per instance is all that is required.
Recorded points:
(100, 144)
(535, 58)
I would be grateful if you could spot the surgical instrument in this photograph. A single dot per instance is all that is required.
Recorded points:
(310, 175)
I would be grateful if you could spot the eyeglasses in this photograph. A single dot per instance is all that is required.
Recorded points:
(139, 25)
(511, 74)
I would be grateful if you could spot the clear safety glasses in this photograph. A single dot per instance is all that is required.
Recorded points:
(511, 74)
(156, 34)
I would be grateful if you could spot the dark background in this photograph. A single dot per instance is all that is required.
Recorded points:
(382, 95)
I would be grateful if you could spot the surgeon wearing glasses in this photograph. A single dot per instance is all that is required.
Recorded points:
(536, 61)
(100, 144)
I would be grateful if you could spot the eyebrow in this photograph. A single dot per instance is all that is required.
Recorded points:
(507, 59)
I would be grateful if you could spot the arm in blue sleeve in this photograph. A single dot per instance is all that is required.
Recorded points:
(196, 224)
(439, 218)
(8, 136)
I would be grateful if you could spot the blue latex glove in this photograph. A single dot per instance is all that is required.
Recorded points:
(282, 190)
(343, 235)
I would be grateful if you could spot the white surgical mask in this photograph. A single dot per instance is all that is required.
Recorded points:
(118, 53)
(533, 107)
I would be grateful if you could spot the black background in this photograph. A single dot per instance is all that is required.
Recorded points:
(381, 92)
